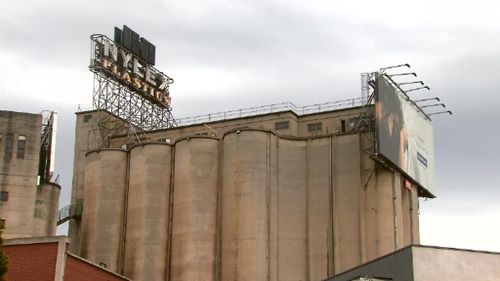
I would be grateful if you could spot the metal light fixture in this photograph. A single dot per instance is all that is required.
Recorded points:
(440, 112)
(432, 105)
(394, 66)
(409, 83)
(427, 99)
(402, 74)
(419, 88)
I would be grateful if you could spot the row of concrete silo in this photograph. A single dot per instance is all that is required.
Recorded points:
(248, 206)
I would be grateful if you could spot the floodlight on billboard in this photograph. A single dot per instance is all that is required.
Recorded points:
(404, 134)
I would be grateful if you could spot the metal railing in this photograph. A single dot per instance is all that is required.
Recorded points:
(67, 213)
(271, 108)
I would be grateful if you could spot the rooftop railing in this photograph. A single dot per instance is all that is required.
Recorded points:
(271, 108)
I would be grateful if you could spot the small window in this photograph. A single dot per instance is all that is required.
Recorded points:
(87, 118)
(165, 140)
(9, 143)
(21, 147)
(282, 125)
(314, 127)
(342, 126)
(4, 196)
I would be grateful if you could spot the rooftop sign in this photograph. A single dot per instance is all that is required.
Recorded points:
(129, 60)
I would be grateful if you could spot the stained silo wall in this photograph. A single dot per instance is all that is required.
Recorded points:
(346, 182)
(406, 215)
(194, 212)
(368, 203)
(292, 210)
(385, 212)
(319, 208)
(244, 209)
(102, 220)
(415, 228)
(147, 217)
(46, 206)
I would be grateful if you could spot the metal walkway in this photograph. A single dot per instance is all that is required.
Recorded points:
(277, 107)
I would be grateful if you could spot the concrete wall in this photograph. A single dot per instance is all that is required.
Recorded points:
(432, 264)
(427, 263)
(18, 175)
(89, 135)
(248, 206)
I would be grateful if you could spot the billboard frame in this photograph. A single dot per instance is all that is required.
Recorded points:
(380, 157)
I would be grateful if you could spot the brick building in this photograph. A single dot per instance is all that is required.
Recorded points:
(48, 259)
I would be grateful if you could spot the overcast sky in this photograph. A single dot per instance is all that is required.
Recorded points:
(231, 54)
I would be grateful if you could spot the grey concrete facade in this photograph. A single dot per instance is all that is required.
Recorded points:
(427, 263)
(252, 203)
(28, 210)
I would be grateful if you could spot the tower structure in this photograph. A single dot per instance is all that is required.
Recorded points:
(132, 94)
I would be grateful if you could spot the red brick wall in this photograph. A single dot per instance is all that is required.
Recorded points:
(31, 261)
(77, 270)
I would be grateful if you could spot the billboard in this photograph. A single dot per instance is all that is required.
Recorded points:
(404, 135)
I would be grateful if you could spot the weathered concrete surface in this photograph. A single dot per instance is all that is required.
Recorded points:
(18, 176)
(436, 264)
(319, 208)
(194, 213)
(244, 218)
(46, 206)
(253, 206)
(292, 210)
(428, 263)
(104, 200)
(346, 211)
(147, 212)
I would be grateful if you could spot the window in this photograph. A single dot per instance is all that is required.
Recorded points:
(87, 118)
(282, 125)
(21, 147)
(314, 127)
(9, 143)
(342, 126)
(0, 142)
(165, 140)
(4, 196)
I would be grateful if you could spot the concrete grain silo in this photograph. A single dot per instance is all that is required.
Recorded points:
(194, 210)
(319, 207)
(248, 204)
(104, 207)
(292, 209)
(46, 206)
(245, 213)
(147, 211)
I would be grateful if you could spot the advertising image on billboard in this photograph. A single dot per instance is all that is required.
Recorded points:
(404, 135)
